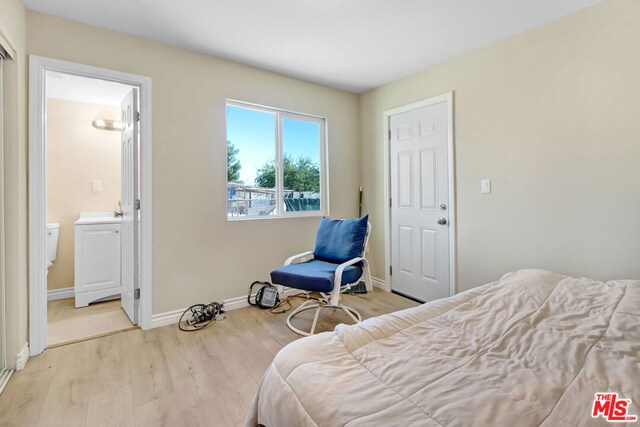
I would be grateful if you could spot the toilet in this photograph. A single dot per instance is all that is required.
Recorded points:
(53, 231)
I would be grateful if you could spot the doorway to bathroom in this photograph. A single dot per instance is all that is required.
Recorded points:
(86, 161)
(89, 174)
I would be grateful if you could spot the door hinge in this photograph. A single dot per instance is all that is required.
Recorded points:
(136, 294)
(389, 134)
(136, 204)
(137, 116)
(390, 202)
(390, 270)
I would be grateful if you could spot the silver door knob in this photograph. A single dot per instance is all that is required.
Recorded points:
(442, 221)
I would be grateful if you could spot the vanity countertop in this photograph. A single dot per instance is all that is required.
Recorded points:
(87, 218)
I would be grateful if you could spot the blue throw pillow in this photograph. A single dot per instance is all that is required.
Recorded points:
(339, 240)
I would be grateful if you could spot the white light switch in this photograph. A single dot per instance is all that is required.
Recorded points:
(486, 186)
(97, 185)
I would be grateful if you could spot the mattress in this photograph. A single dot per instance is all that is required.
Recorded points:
(531, 349)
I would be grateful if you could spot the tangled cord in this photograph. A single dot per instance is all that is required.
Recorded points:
(200, 316)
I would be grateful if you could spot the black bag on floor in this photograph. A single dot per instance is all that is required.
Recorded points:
(267, 296)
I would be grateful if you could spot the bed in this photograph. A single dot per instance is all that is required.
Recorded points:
(530, 349)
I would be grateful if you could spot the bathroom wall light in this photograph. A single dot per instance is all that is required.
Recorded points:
(104, 124)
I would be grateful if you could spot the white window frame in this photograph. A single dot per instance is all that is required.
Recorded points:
(280, 115)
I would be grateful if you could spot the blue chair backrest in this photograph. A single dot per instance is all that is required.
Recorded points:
(339, 240)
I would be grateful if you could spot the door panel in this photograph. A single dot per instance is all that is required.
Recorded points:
(430, 246)
(428, 128)
(129, 212)
(419, 200)
(406, 248)
(405, 132)
(405, 179)
(428, 178)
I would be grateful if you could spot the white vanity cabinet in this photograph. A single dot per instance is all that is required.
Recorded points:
(97, 257)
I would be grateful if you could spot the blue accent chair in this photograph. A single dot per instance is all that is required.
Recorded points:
(338, 258)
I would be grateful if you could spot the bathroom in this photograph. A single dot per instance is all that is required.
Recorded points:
(83, 192)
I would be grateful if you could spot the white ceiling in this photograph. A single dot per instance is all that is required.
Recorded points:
(353, 45)
(83, 89)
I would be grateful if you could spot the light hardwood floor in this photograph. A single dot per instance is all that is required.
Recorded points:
(65, 323)
(162, 377)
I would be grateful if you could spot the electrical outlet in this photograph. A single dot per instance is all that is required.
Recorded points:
(96, 184)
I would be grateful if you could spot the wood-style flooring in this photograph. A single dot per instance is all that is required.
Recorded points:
(163, 377)
(66, 324)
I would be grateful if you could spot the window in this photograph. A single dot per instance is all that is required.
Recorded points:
(275, 163)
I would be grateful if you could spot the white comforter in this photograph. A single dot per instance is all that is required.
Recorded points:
(531, 349)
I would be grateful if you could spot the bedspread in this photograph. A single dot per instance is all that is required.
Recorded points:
(531, 349)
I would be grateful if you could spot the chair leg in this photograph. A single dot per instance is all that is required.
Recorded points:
(307, 305)
(351, 313)
(315, 320)
(366, 276)
(318, 306)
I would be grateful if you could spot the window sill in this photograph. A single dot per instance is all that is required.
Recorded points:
(275, 217)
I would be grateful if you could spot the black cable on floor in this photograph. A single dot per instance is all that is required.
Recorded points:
(199, 316)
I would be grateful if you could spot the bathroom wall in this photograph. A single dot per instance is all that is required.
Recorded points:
(77, 154)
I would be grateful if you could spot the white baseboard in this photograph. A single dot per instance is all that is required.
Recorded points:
(379, 283)
(235, 303)
(64, 293)
(22, 357)
(166, 318)
(171, 317)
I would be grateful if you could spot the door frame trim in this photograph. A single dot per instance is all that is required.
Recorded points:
(38, 65)
(448, 98)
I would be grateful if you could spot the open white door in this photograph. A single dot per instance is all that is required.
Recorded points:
(130, 205)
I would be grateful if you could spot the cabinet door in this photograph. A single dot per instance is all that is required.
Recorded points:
(97, 257)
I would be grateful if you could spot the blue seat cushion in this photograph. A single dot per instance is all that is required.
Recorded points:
(314, 275)
(339, 240)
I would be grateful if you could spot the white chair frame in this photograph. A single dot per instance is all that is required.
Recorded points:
(331, 300)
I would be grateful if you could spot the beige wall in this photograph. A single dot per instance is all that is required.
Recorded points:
(552, 117)
(13, 27)
(78, 153)
(197, 255)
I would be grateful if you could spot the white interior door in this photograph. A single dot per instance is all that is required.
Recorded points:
(129, 179)
(419, 173)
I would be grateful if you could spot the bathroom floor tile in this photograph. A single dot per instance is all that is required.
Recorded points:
(68, 324)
